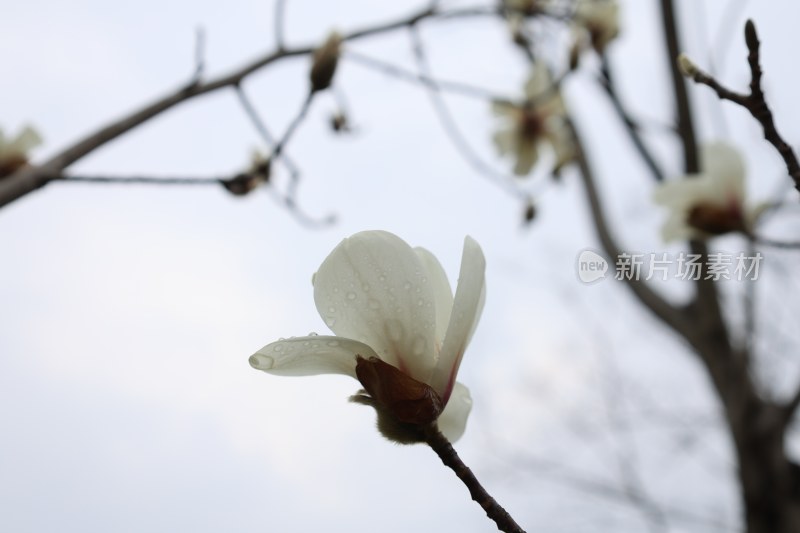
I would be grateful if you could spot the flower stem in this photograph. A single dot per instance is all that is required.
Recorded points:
(445, 451)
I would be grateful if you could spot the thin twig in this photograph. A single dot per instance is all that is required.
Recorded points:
(32, 178)
(755, 102)
(390, 69)
(649, 298)
(631, 127)
(144, 180)
(683, 108)
(451, 129)
(448, 455)
(280, 23)
(266, 136)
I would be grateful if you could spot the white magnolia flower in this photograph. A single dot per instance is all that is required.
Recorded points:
(14, 151)
(399, 330)
(711, 202)
(540, 119)
(599, 19)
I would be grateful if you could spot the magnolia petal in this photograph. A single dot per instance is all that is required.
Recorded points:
(539, 81)
(442, 293)
(505, 141)
(374, 288)
(467, 306)
(724, 165)
(676, 228)
(309, 356)
(682, 194)
(453, 420)
(504, 108)
(527, 155)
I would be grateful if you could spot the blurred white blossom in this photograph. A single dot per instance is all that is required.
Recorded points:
(539, 119)
(596, 23)
(14, 151)
(711, 202)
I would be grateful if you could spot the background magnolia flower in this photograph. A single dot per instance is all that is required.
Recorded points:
(711, 202)
(399, 330)
(539, 119)
(599, 19)
(14, 151)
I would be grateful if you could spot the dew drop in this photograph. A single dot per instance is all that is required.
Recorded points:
(331, 309)
(407, 285)
(260, 361)
(330, 321)
(351, 296)
(420, 302)
(313, 334)
(365, 287)
(333, 343)
(277, 348)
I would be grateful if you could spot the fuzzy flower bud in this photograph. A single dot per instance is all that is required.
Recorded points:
(324, 63)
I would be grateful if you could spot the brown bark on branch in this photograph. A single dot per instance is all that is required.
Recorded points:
(755, 102)
(448, 455)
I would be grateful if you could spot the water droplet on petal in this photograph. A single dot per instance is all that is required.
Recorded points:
(330, 321)
(331, 309)
(407, 285)
(418, 346)
(420, 302)
(313, 334)
(262, 362)
(351, 296)
(333, 343)
(277, 348)
(365, 287)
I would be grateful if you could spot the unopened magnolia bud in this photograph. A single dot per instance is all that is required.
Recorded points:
(324, 63)
(530, 212)
(339, 122)
(750, 35)
(687, 67)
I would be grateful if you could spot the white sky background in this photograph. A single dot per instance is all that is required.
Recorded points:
(127, 313)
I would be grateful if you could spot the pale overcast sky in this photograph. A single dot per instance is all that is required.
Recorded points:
(128, 313)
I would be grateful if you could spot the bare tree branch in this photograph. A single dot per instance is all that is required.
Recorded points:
(31, 178)
(755, 102)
